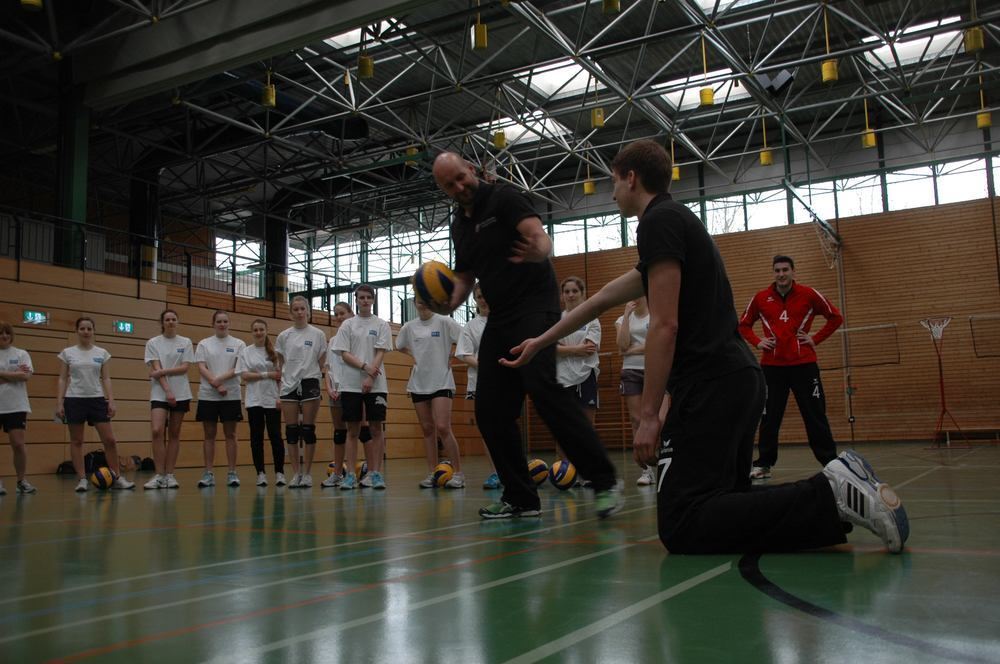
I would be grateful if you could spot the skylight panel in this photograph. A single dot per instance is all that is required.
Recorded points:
(914, 50)
(683, 92)
(353, 37)
(526, 129)
(561, 79)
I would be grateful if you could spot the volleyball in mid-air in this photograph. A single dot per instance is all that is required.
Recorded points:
(433, 284)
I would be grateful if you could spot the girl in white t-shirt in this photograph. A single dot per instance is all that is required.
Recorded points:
(84, 397)
(467, 350)
(301, 355)
(258, 366)
(631, 338)
(577, 364)
(429, 340)
(219, 395)
(168, 357)
(334, 371)
(362, 342)
(15, 370)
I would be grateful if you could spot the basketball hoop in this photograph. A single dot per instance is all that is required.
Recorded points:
(829, 244)
(936, 326)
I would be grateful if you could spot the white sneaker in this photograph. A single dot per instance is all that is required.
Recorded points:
(261, 479)
(331, 481)
(121, 484)
(232, 479)
(279, 479)
(82, 485)
(296, 482)
(760, 473)
(307, 482)
(646, 477)
(172, 482)
(24, 486)
(366, 481)
(427, 482)
(158, 482)
(207, 479)
(457, 481)
(865, 501)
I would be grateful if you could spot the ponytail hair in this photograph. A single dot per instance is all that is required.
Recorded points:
(268, 346)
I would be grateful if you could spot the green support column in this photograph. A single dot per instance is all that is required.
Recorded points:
(71, 174)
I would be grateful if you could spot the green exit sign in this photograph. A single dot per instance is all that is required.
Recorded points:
(124, 327)
(35, 317)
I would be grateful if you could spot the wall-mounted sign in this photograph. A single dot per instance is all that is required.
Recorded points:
(124, 327)
(35, 317)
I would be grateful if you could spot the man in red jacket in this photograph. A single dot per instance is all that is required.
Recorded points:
(786, 310)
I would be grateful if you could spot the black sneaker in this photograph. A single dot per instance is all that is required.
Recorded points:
(504, 510)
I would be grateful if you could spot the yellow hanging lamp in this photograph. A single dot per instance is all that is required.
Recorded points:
(706, 95)
(766, 156)
(589, 186)
(611, 6)
(411, 153)
(500, 139)
(596, 114)
(984, 119)
(269, 96)
(480, 36)
(973, 37)
(675, 171)
(829, 66)
(868, 138)
(31, 5)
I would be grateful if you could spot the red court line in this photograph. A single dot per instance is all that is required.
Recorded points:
(181, 631)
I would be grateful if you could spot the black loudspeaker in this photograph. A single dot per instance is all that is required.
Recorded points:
(777, 83)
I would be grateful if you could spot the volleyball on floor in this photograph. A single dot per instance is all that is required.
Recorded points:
(539, 470)
(102, 478)
(563, 475)
(331, 468)
(361, 469)
(433, 283)
(442, 473)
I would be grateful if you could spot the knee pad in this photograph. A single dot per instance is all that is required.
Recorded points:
(365, 434)
(308, 433)
(339, 436)
(292, 434)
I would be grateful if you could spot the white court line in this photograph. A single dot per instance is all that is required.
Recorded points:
(223, 563)
(926, 473)
(329, 630)
(294, 579)
(587, 631)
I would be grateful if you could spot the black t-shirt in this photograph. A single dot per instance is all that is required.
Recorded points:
(708, 343)
(483, 246)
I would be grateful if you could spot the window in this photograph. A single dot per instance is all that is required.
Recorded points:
(683, 93)
(564, 78)
(961, 180)
(910, 188)
(569, 237)
(914, 50)
(526, 129)
(604, 232)
(245, 252)
(632, 223)
(766, 209)
(857, 196)
(821, 198)
(725, 215)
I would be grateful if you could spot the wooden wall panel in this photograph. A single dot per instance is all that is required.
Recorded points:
(899, 267)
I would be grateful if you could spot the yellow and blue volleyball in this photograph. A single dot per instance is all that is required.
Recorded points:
(331, 468)
(563, 475)
(442, 473)
(102, 478)
(361, 469)
(433, 283)
(539, 470)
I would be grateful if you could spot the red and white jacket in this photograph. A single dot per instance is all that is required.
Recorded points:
(783, 318)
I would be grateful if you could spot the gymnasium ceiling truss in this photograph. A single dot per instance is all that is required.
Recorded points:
(340, 152)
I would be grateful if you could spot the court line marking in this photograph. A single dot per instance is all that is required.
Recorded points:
(256, 651)
(295, 579)
(594, 628)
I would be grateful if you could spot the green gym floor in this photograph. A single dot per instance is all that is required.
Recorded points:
(411, 575)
